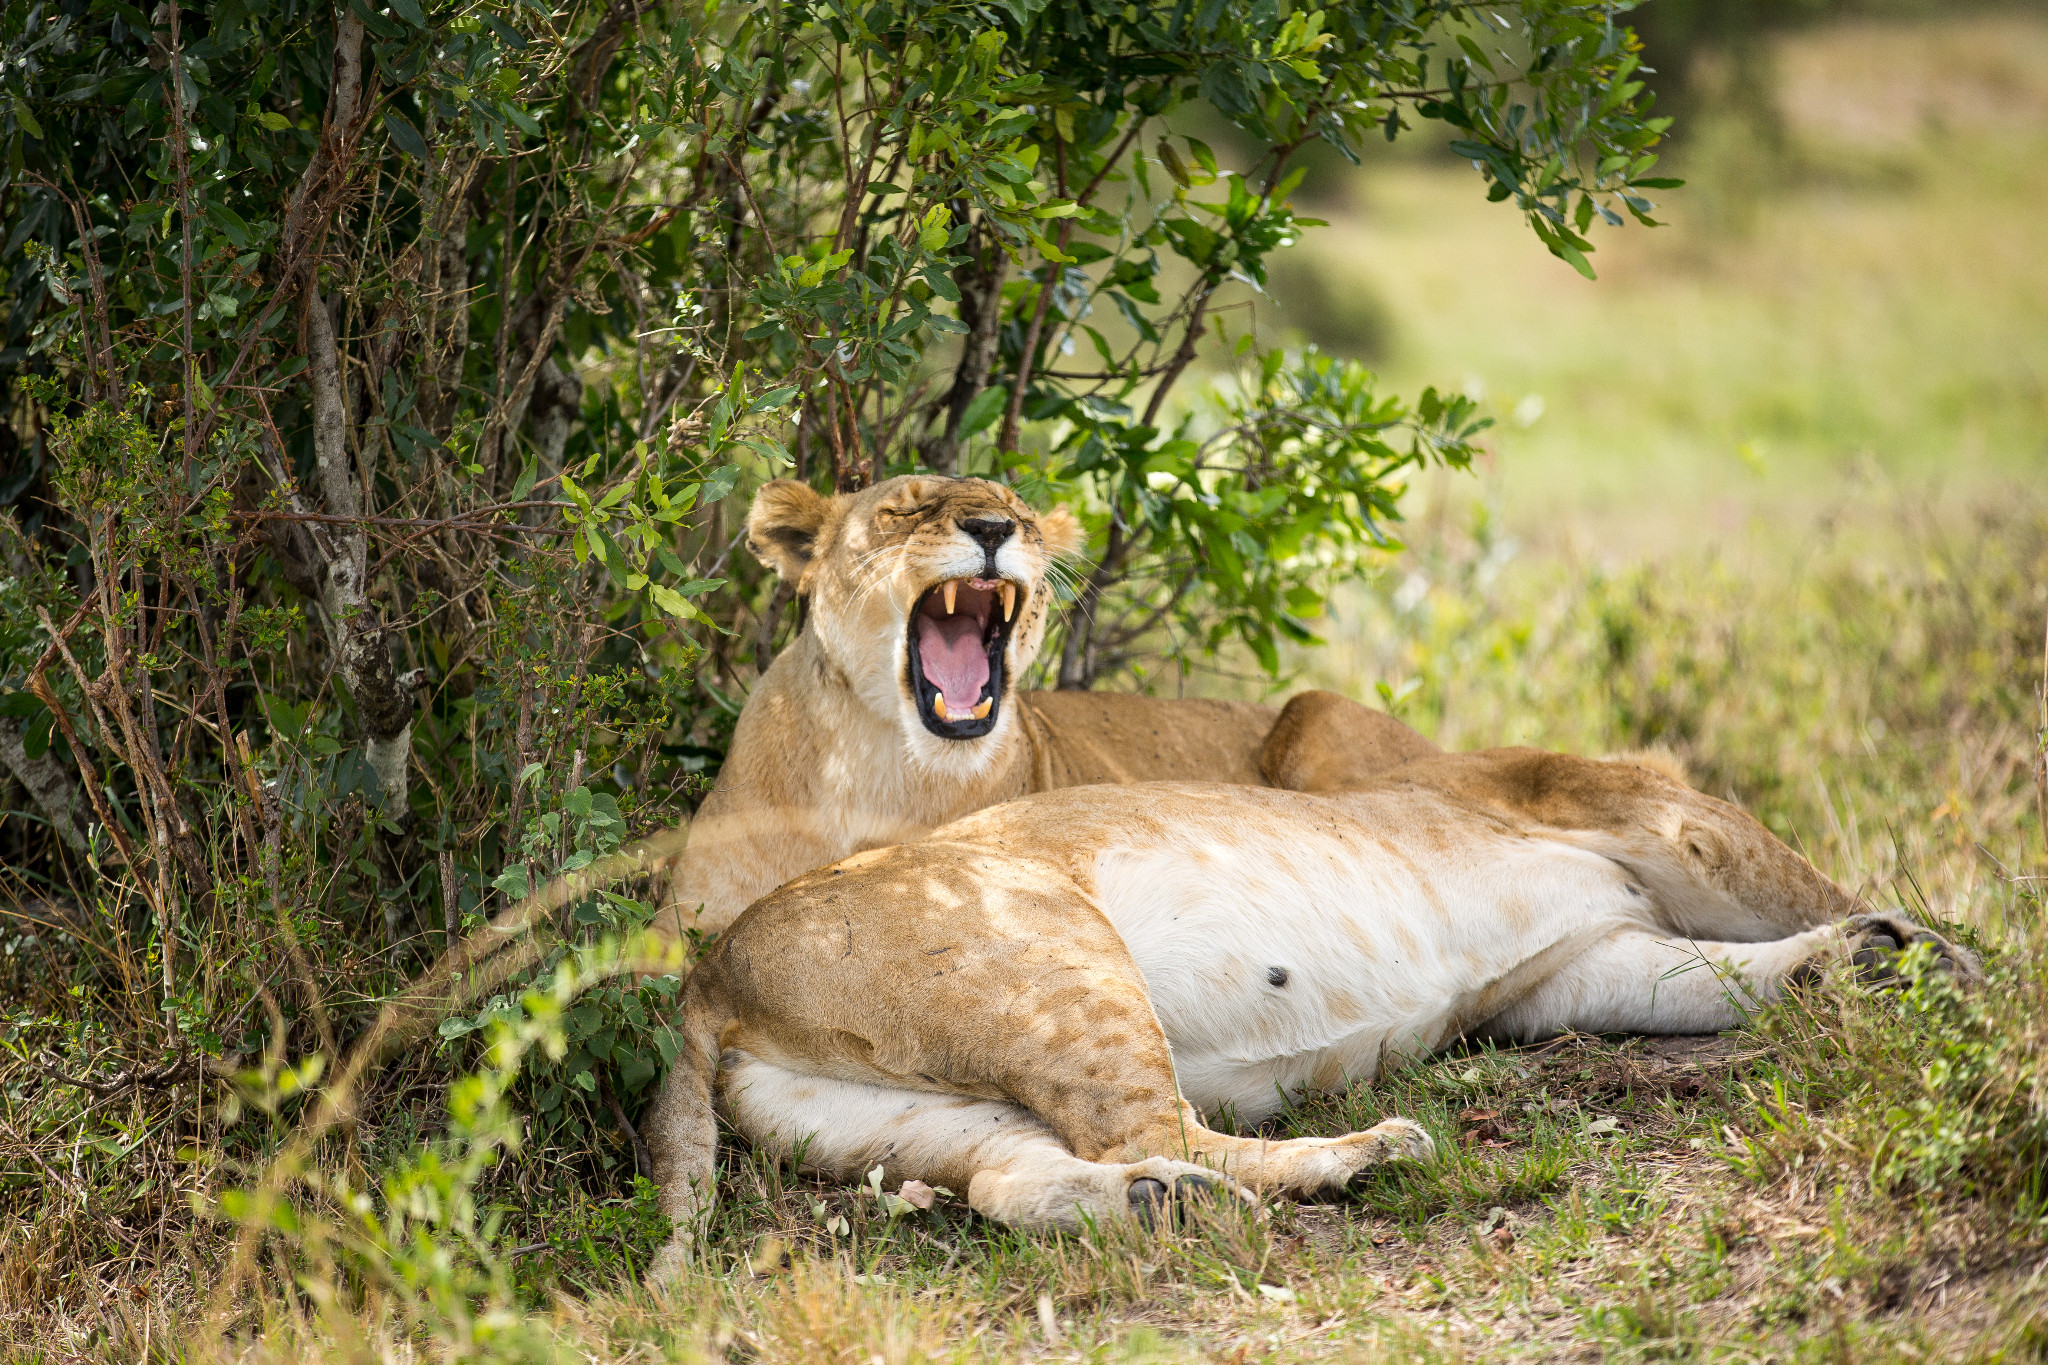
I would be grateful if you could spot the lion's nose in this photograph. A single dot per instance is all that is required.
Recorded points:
(989, 532)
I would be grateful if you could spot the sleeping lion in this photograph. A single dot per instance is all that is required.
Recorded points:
(1037, 1004)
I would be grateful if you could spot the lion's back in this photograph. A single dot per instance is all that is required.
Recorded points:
(1086, 738)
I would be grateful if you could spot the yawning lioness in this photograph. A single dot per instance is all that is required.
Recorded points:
(897, 706)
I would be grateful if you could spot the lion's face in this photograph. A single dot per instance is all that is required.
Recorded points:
(931, 595)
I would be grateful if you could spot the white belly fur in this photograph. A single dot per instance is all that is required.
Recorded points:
(1389, 948)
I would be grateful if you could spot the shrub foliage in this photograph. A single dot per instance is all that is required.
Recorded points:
(379, 384)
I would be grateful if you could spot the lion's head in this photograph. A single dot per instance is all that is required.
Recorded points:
(930, 594)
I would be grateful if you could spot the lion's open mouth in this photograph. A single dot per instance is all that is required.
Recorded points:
(958, 632)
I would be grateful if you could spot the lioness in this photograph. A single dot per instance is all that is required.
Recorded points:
(896, 708)
(1034, 1004)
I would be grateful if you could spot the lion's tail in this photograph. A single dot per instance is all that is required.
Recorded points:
(682, 1129)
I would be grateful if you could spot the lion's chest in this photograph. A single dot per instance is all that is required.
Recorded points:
(1305, 962)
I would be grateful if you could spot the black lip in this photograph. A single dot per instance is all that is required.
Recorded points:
(997, 644)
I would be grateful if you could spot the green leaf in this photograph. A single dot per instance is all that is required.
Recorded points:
(719, 484)
(983, 410)
(409, 10)
(1169, 158)
(27, 120)
(614, 557)
(405, 135)
(527, 123)
(1574, 257)
(523, 485)
(35, 737)
(670, 602)
(506, 33)
(512, 881)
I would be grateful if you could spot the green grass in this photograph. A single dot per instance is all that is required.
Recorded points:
(1782, 510)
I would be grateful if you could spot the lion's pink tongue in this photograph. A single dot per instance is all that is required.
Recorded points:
(954, 660)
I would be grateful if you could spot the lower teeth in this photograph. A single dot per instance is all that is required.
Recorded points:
(980, 712)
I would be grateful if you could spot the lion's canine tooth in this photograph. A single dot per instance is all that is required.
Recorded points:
(952, 591)
(981, 712)
(939, 707)
(1009, 598)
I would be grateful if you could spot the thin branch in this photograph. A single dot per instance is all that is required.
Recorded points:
(181, 160)
(1055, 270)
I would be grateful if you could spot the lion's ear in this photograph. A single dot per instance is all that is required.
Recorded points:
(783, 524)
(1062, 532)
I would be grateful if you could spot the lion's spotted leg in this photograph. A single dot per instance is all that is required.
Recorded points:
(1009, 1165)
(1013, 1167)
(1299, 1167)
(1096, 1069)
(1094, 1114)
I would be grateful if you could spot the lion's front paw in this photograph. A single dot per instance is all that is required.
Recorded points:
(1875, 943)
(1403, 1140)
(1393, 1140)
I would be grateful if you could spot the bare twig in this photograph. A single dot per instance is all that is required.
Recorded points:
(181, 164)
(185, 1068)
(643, 1161)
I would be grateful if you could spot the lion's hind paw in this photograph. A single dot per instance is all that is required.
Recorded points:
(1877, 942)
(1152, 1199)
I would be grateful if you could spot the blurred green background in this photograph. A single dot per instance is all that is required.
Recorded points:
(1852, 291)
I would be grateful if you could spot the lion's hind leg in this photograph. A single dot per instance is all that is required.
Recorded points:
(1012, 1168)
(1639, 982)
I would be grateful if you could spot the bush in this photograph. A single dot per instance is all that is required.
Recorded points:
(379, 390)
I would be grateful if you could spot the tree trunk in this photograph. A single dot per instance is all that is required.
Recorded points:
(355, 624)
(46, 782)
(980, 283)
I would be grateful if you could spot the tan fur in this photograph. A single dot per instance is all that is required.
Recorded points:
(828, 757)
(1023, 1005)
(963, 1009)
(1657, 758)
